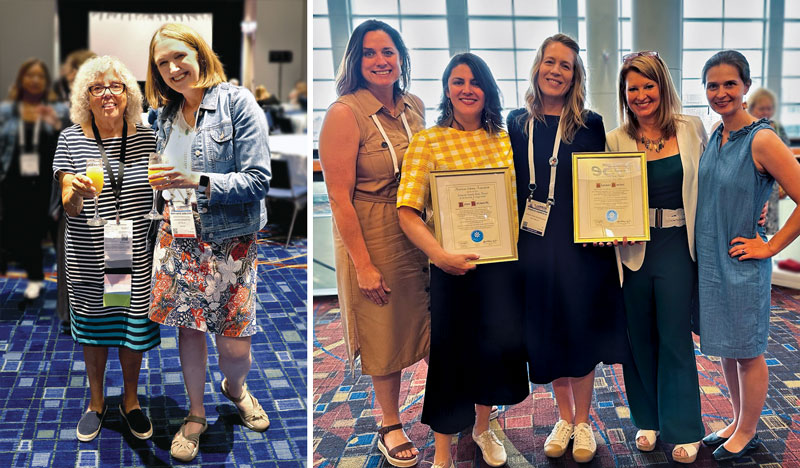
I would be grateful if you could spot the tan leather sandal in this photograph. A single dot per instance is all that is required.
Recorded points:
(255, 419)
(185, 446)
(691, 452)
(649, 442)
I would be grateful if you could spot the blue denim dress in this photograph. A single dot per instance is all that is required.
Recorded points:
(734, 295)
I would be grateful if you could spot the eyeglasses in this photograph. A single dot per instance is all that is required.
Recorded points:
(645, 53)
(99, 90)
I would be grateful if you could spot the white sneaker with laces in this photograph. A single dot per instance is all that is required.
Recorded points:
(33, 289)
(494, 453)
(556, 443)
(583, 445)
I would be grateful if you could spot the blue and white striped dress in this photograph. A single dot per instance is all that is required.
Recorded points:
(93, 324)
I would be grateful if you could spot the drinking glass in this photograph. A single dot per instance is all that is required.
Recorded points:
(155, 164)
(94, 171)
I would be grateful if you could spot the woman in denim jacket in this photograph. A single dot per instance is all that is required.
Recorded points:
(214, 136)
(30, 123)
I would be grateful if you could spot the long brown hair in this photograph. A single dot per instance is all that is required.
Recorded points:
(667, 114)
(16, 92)
(349, 78)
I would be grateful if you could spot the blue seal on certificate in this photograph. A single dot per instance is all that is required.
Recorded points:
(476, 235)
(611, 216)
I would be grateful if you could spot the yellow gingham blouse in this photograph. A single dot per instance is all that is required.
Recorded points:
(445, 148)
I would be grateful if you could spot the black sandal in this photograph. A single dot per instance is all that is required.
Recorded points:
(391, 455)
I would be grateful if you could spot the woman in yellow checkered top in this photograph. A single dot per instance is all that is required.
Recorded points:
(476, 358)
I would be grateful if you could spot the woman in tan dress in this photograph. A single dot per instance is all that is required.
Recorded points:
(382, 278)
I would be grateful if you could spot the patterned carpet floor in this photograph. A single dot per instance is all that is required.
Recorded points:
(346, 415)
(44, 390)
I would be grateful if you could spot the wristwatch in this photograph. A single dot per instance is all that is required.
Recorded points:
(203, 184)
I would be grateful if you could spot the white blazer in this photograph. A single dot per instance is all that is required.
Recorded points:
(692, 140)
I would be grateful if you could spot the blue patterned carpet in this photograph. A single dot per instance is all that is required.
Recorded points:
(346, 416)
(44, 389)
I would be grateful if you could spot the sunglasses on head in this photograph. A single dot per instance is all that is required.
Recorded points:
(645, 53)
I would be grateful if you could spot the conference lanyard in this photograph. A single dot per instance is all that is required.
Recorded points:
(116, 184)
(551, 200)
(37, 127)
(29, 160)
(389, 143)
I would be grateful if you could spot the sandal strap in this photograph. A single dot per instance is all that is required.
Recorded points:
(383, 430)
(224, 388)
(404, 446)
(195, 419)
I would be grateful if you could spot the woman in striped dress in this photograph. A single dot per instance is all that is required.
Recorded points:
(106, 102)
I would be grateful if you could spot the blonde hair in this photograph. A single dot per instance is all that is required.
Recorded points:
(211, 70)
(80, 110)
(760, 94)
(668, 112)
(576, 96)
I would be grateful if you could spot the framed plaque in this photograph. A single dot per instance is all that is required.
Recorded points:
(473, 213)
(609, 195)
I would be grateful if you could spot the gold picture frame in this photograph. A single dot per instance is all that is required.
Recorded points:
(473, 213)
(609, 196)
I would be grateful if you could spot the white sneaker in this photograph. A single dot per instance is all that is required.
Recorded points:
(33, 289)
(556, 443)
(451, 465)
(583, 446)
(494, 453)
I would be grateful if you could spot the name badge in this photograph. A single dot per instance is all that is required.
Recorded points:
(118, 260)
(535, 218)
(29, 164)
(181, 220)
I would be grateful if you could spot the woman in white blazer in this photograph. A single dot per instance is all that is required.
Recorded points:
(659, 287)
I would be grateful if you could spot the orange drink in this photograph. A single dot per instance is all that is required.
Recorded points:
(155, 169)
(96, 174)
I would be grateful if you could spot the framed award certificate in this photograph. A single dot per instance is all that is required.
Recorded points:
(473, 213)
(609, 196)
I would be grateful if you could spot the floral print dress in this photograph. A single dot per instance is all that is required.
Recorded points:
(206, 286)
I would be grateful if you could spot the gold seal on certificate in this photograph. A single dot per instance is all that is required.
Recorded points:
(609, 195)
(473, 213)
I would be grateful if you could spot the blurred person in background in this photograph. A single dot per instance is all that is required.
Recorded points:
(63, 85)
(30, 122)
(762, 104)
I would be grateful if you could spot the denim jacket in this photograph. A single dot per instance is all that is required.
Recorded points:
(9, 132)
(231, 149)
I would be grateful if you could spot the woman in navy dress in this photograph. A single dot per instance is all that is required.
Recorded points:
(573, 308)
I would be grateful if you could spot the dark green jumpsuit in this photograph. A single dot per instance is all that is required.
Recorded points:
(662, 384)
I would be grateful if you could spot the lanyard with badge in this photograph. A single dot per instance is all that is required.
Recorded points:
(389, 143)
(29, 160)
(117, 236)
(181, 217)
(537, 213)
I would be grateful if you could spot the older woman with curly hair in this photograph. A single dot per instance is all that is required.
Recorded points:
(106, 103)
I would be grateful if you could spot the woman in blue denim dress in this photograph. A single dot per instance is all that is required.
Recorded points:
(735, 177)
(214, 136)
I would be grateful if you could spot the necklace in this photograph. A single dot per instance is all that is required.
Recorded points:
(653, 145)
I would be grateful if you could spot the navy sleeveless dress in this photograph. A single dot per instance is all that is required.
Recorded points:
(574, 316)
